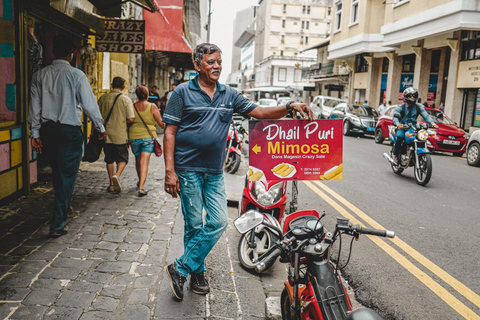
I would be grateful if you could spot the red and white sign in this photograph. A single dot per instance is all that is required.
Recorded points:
(125, 36)
(296, 150)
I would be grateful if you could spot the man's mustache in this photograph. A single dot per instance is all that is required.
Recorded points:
(216, 70)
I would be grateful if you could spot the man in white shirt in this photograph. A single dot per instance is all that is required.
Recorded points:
(382, 108)
(58, 94)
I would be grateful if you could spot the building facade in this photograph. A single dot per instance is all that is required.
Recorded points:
(428, 44)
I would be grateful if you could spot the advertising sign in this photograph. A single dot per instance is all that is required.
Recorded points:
(125, 36)
(296, 150)
(406, 81)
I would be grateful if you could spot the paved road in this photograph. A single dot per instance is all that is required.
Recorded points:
(430, 271)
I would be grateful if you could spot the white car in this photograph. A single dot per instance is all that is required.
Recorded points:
(322, 106)
(267, 102)
(473, 149)
(283, 101)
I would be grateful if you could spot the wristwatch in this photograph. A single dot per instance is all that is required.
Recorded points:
(289, 107)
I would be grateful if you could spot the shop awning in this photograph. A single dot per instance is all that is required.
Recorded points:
(164, 29)
(112, 8)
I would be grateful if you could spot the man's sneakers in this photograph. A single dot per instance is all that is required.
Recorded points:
(59, 233)
(116, 184)
(199, 284)
(176, 281)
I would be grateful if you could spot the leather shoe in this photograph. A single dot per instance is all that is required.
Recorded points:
(59, 233)
(176, 281)
(199, 284)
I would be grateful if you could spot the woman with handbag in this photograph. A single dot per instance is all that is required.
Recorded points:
(143, 136)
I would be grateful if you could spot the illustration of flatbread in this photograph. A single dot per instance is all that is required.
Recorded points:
(256, 176)
(331, 173)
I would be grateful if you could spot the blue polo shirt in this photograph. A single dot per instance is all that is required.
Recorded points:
(203, 124)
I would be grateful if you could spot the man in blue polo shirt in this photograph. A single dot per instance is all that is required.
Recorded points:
(198, 117)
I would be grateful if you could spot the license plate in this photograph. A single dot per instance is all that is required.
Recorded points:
(455, 143)
(370, 129)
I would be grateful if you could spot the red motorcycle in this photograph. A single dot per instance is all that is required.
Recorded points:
(270, 198)
(235, 138)
(314, 290)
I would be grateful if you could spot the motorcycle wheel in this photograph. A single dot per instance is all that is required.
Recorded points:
(232, 163)
(263, 240)
(286, 306)
(423, 169)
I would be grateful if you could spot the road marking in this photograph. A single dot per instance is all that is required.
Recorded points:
(446, 296)
(442, 274)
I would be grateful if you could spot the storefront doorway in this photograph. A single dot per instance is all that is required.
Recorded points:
(470, 109)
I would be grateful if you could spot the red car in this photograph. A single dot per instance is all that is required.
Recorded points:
(449, 137)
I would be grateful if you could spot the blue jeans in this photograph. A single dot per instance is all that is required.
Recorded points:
(198, 191)
(400, 137)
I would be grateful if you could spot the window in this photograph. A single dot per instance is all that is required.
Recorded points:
(308, 9)
(282, 39)
(307, 25)
(284, 8)
(385, 65)
(354, 12)
(283, 23)
(306, 40)
(282, 74)
(328, 27)
(470, 45)
(303, 24)
(301, 39)
(329, 11)
(408, 63)
(435, 66)
(338, 16)
(361, 65)
(281, 53)
(304, 9)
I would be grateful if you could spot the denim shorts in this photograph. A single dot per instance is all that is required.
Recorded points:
(142, 145)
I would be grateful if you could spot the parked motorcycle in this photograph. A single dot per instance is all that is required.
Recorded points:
(314, 289)
(414, 152)
(233, 157)
(269, 198)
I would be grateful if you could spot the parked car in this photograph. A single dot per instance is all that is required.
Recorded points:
(449, 137)
(357, 119)
(322, 106)
(473, 149)
(283, 101)
(267, 102)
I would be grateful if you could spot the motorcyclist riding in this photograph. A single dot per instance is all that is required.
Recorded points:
(407, 114)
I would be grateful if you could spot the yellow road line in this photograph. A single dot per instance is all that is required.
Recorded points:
(442, 274)
(446, 296)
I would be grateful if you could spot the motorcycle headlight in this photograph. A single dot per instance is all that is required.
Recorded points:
(422, 135)
(264, 197)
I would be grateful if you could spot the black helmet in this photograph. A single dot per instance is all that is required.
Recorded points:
(410, 95)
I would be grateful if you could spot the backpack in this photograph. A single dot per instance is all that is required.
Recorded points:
(402, 113)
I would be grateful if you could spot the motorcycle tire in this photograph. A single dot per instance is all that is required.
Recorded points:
(423, 169)
(397, 169)
(286, 306)
(233, 162)
(264, 239)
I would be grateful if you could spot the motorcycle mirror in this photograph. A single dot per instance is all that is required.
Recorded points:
(248, 221)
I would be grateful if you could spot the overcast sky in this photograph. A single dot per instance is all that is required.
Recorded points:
(222, 28)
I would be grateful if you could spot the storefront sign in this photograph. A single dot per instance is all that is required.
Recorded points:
(469, 74)
(406, 81)
(432, 83)
(125, 36)
(296, 150)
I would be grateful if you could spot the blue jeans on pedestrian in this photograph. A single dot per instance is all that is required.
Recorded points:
(400, 137)
(200, 191)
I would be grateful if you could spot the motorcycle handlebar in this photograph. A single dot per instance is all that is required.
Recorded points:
(376, 232)
(269, 260)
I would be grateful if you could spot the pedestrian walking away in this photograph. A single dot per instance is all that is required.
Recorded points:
(58, 94)
(141, 141)
(382, 108)
(197, 120)
(120, 109)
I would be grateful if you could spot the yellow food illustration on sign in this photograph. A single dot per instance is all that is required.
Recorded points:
(283, 169)
(335, 173)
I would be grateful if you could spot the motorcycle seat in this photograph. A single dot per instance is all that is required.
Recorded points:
(364, 314)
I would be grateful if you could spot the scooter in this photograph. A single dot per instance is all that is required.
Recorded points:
(269, 198)
(414, 152)
(235, 138)
(314, 289)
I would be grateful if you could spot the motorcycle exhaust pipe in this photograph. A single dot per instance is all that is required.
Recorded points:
(389, 159)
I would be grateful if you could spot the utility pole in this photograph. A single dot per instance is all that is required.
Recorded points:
(209, 21)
